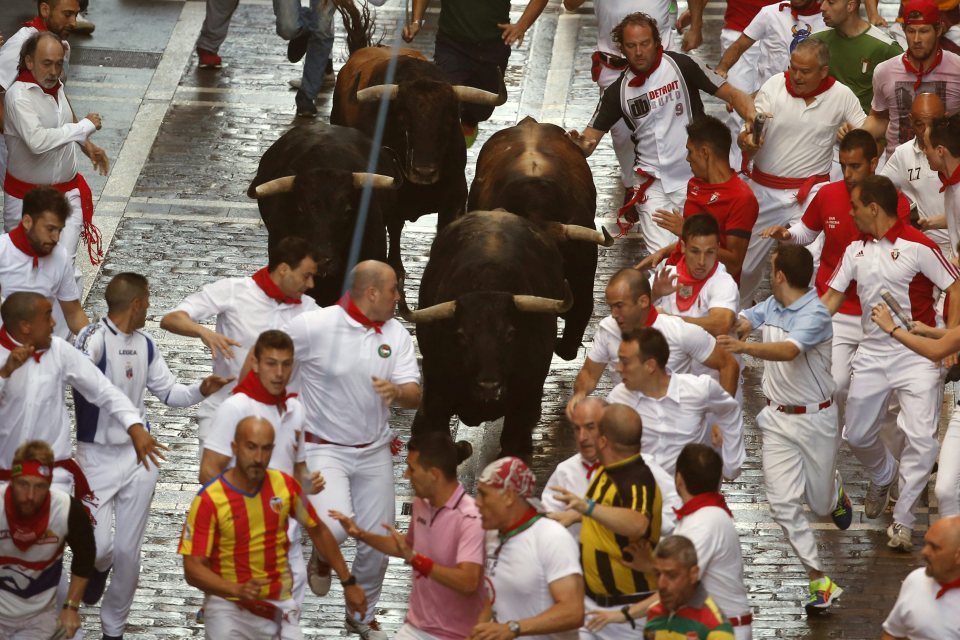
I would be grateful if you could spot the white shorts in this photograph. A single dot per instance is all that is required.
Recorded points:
(223, 619)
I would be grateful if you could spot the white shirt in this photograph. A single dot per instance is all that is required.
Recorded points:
(719, 291)
(712, 532)
(10, 55)
(52, 277)
(525, 566)
(688, 343)
(777, 32)
(32, 405)
(919, 615)
(132, 362)
(684, 415)
(611, 12)
(336, 358)
(951, 200)
(571, 474)
(908, 169)
(243, 312)
(288, 427)
(799, 138)
(41, 135)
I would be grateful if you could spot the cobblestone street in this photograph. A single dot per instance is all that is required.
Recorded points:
(185, 144)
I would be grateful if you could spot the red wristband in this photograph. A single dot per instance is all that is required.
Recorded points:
(422, 564)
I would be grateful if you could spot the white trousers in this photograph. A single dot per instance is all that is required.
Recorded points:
(124, 490)
(297, 562)
(656, 237)
(743, 75)
(799, 465)
(918, 385)
(623, 145)
(948, 475)
(223, 619)
(40, 626)
(359, 482)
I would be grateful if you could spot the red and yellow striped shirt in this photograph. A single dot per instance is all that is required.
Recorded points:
(245, 535)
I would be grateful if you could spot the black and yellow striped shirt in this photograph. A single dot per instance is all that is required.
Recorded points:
(628, 484)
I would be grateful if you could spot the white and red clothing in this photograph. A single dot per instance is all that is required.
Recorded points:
(694, 298)
(925, 609)
(776, 30)
(21, 269)
(910, 266)
(795, 159)
(706, 521)
(244, 309)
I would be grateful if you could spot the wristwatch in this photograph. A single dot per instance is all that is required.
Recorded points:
(349, 582)
(514, 627)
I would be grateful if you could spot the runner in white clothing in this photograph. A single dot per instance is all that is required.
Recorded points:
(129, 358)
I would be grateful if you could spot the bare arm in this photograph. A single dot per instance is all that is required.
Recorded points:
(775, 351)
(586, 382)
(621, 520)
(832, 299)
(727, 365)
(693, 38)
(717, 322)
(876, 123)
(74, 315)
(212, 464)
(587, 141)
(732, 257)
(733, 53)
(411, 29)
(180, 323)
(326, 545)
(572, 5)
(873, 13)
(740, 101)
(566, 613)
(935, 349)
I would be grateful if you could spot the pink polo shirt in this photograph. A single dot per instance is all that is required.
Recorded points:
(449, 535)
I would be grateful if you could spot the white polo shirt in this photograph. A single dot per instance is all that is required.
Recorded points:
(799, 139)
(719, 291)
(243, 312)
(611, 12)
(684, 415)
(777, 32)
(712, 532)
(688, 343)
(906, 263)
(908, 169)
(51, 278)
(336, 359)
(919, 615)
(288, 427)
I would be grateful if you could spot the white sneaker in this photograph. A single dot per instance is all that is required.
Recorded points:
(318, 575)
(295, 83)
(367, 631)
(901, 537)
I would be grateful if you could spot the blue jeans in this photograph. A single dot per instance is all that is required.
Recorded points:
(292, 17)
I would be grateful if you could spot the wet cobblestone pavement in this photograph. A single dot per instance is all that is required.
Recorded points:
(186, 143)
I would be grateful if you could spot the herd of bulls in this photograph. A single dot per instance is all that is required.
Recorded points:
(497, 277)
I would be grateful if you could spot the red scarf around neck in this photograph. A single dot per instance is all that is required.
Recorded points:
(19, 239)
(641, 78)
(37, 23)
(699, 501)
(348, 305)
(812, 10)
(912, 69)
(652, 317)
(271, 289)
(27, 76)
(953, 179)
(824, 85)
(25, 532)
(590, 467)
(251, 386)
(7, 343)
(688, 287)
(944, 587)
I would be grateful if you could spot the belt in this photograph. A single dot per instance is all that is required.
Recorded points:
(803, 185)
(309, 437)
(619, 600)
(261, 609)
(795, 409)
(742, 621)
(600, 59)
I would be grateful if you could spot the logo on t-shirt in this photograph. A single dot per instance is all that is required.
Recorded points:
(276, 504)
(895, 253)
(384, 351)
(639, 106)
(714, 197)
(800, 34)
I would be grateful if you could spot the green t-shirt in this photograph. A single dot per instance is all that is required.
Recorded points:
(473, 20)
(852, 60)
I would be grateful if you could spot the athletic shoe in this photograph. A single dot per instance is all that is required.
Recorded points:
(842, 514)
(297, 47)
(305, 106)
(208, 59)
(877, 498)
(367, 631)
(106, 637)
(469, 133)
(295, 83)
(96, 585)
(84, 27)
(901, 537)
(318, 575)
(822, 594)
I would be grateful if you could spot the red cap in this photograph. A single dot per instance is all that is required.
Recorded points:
(921, 12)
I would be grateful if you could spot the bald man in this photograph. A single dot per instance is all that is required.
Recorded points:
(929, 602)
(910, 172)
(354, 362)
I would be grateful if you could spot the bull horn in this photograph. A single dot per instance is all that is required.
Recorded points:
(478, 96)
(441, 311)
(275, 186)
(536, 304)
(374, 93)
(377, 181)
(575, 232)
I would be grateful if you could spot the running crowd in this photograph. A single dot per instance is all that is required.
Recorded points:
(849, 204)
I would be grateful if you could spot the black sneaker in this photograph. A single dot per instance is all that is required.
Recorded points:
(297, 47)
(328, 70)
(305, 106)
(96, 585)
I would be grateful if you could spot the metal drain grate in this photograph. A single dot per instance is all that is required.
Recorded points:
(92, 57)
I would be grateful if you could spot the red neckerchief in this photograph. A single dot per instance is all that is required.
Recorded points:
(947, 587)
(641, 78)
(912, 69)
(37, 23)
(687, 281)
(354, 312)
(27, 76)
(251, 386)
(516, 527)
(952, 180)
(7, 343)
(590, 467)
(269, 287)
(824, 85)
(652, 317)
(25, 532)
(19, 239)
(699, 501)
(812, 10)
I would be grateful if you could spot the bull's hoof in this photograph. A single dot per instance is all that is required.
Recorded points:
(567, 351)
